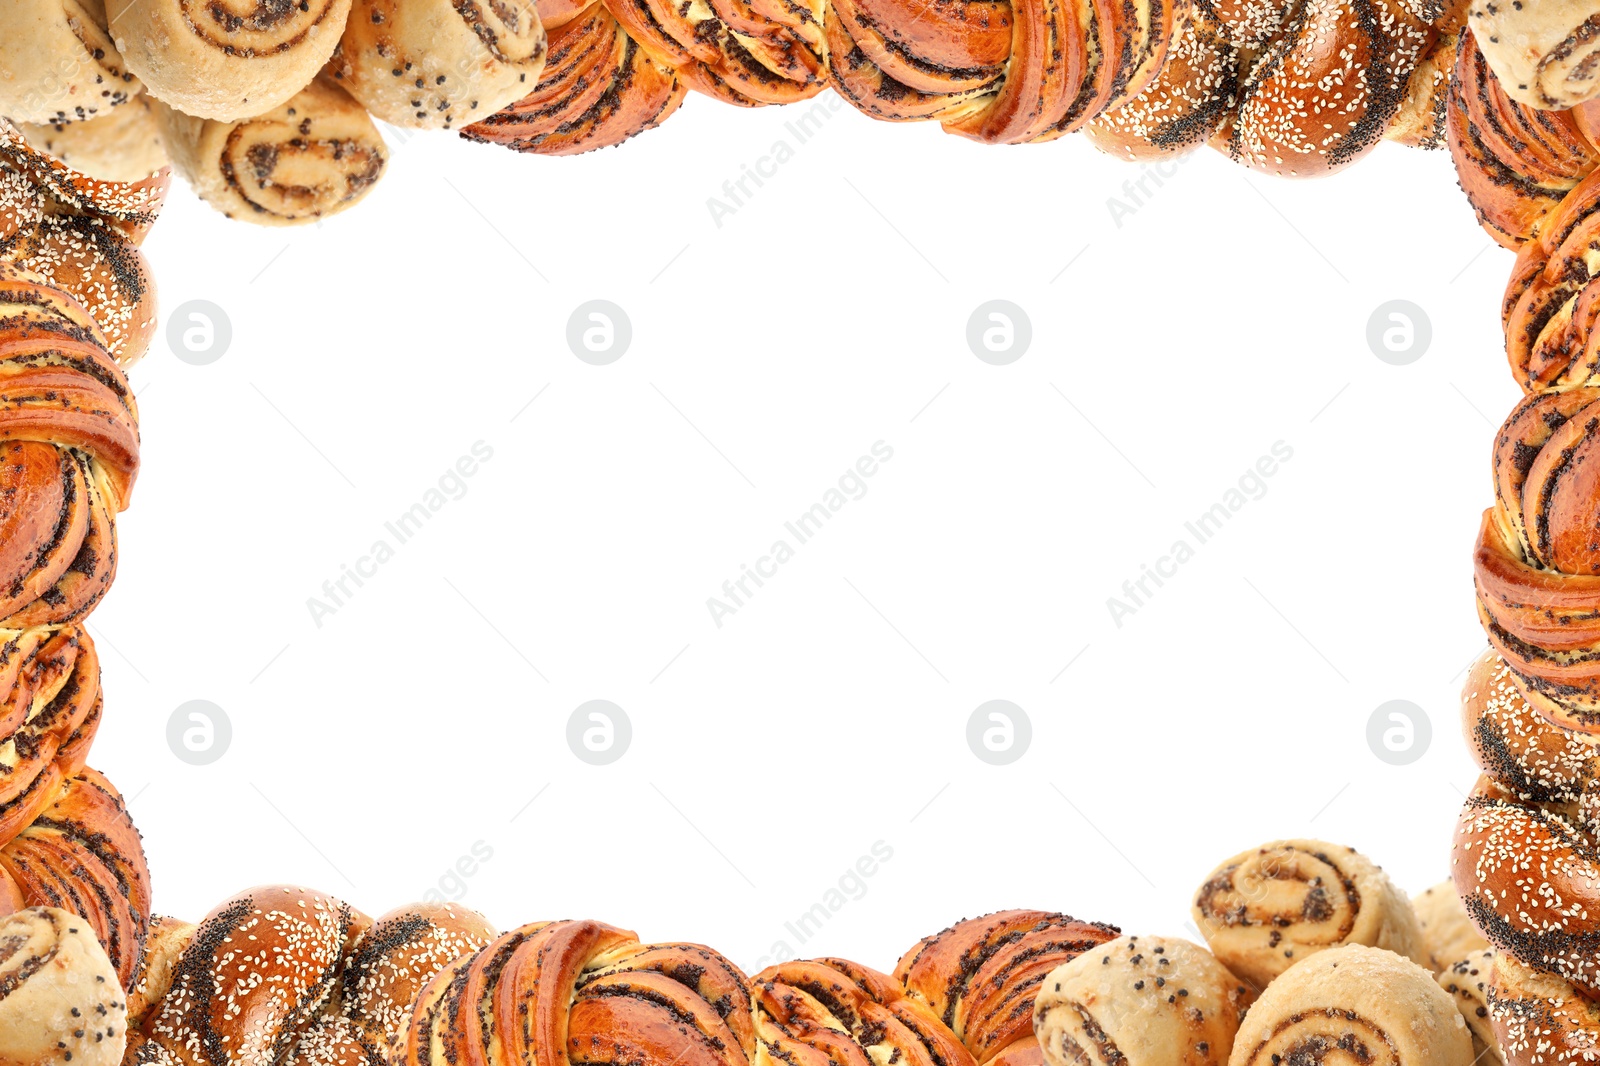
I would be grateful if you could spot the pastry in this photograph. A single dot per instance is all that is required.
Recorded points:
(58, 63)
(980, 976)
(50, 708)
(226, 60)
(312, 157)
(1544, 54)
(1447, 932)
(540, 989)
(1140, 1001)
(122, 145)
(1421, 121)
(1548, 308)
(598, 88)
(830, 1011)
(1354, 1004)
(59, 998)
(1266, 909)
(33, 184)
(164, 945)
(1467, 980)
(1540, 1019)
(82, 853)
(97, 264)
(438, 64)
(70, 442)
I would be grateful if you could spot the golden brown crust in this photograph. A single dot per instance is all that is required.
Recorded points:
(1540, 1019)
(99, 266)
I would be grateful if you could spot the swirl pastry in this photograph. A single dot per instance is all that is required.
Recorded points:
(227, 60)
(1539, 1019)
(980, 976)
(123, 145)
(1545, 54)
(70, 447)
(1140, 1001)
(50, 708)
(435, 64)
(538, 991)
(58, 63)
(310, 158)
(1448, 935)
(1266, 909)
(1354, 1004)
(59, 998)
(82, 853)
(1467, 981)
(830, 1012)
(1515, 163)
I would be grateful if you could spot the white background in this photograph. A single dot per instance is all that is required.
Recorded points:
(828, 312)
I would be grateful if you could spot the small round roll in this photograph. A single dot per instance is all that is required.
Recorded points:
(103, 270)
(1448, 935)
(311, 158)
(438, 64)
(1140, 1001)
(1546, 54)
(1354, 1004)
(1540, 1019)
(59, 997)
(1264, 910)
(1467, 981)
(58, 63)
(122, 145)
(227, 59)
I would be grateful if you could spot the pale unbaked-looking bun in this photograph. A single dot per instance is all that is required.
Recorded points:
(226, 59)
(1447, 933)
(59, 997)
(1140, 1001)
(1354, 1004)
(1467, 980)
(123, 144)
(1545, 53)
(312, 157)
(439, 64)
(166, 943)
(58, 63)
(1264, 910)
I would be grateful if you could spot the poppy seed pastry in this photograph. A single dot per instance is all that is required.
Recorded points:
(1447, 932)
(1266, 909)
(439, 64)
(97, 264)
(1468, 980)
(1540, 1019)
(122, 145)
(59, 997)
(1140, 1001)
(58, 63)
(1355, 1004)
(226, 59)
(1545, 53)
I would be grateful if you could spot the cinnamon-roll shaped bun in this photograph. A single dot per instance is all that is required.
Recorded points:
(1539, 1019)
(599, 87)
(1545, 54)
(69, 452)
(96, 263)
(540, 991)
(1515, 163)
(1266, 909)
(314, 156)
(1448, 935)
(831, 1012)
(226, 60)
(50, 708)
(1140, 1001)
(123, 145)
(83, 854)
(1354, 1005)
(59, 998)
(980, 976)
(58, 62)
(1467, 981)
(438, 64)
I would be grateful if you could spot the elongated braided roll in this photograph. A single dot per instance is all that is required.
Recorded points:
(59, 998)
(50, 708)
(1540, 1019)
(1354, 1006)
(1265, 909)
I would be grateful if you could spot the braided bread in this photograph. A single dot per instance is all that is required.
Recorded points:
(49, 712)
(1540, 1019)
(59, 999)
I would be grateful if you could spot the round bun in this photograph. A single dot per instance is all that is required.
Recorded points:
(1447, 932)
(1264, 910)
(1545, 54)
(58, 63)
(1362, 1005)
(103, 270)
(60, 1001)
(1467, 980)
(437, 64)
(123, 145)
(314, 156)
(1140, 1001)
(226, 59)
